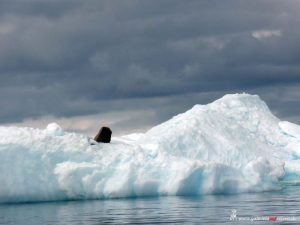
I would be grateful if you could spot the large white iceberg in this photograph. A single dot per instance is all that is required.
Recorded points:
(232, 145)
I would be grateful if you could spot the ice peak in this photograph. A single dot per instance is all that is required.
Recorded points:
(234, 105)
(218, 127)
(233, 100)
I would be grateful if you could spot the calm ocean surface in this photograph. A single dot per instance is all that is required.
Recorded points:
(210, 209)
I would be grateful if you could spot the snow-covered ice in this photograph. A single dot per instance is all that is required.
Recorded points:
(232, 145)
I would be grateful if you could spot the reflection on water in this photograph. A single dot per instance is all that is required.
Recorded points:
(211, 209)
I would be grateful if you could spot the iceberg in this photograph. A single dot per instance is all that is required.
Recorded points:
(232, 145)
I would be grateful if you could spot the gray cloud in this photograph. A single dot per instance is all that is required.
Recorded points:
(75, 58)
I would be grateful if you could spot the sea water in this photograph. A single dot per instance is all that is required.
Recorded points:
(249, 208)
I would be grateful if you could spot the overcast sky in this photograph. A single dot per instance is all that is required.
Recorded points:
(131, 64)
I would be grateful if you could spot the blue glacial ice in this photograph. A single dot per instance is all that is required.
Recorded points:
(231, 145)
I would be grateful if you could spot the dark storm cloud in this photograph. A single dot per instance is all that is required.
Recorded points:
(69, 58)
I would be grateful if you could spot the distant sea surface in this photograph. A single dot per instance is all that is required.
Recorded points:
(279, 207)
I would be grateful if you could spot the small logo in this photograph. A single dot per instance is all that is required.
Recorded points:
(235, 217)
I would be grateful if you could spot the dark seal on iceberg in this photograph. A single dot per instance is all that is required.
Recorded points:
(104, 135)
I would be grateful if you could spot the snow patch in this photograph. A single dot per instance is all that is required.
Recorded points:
(54, 128)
